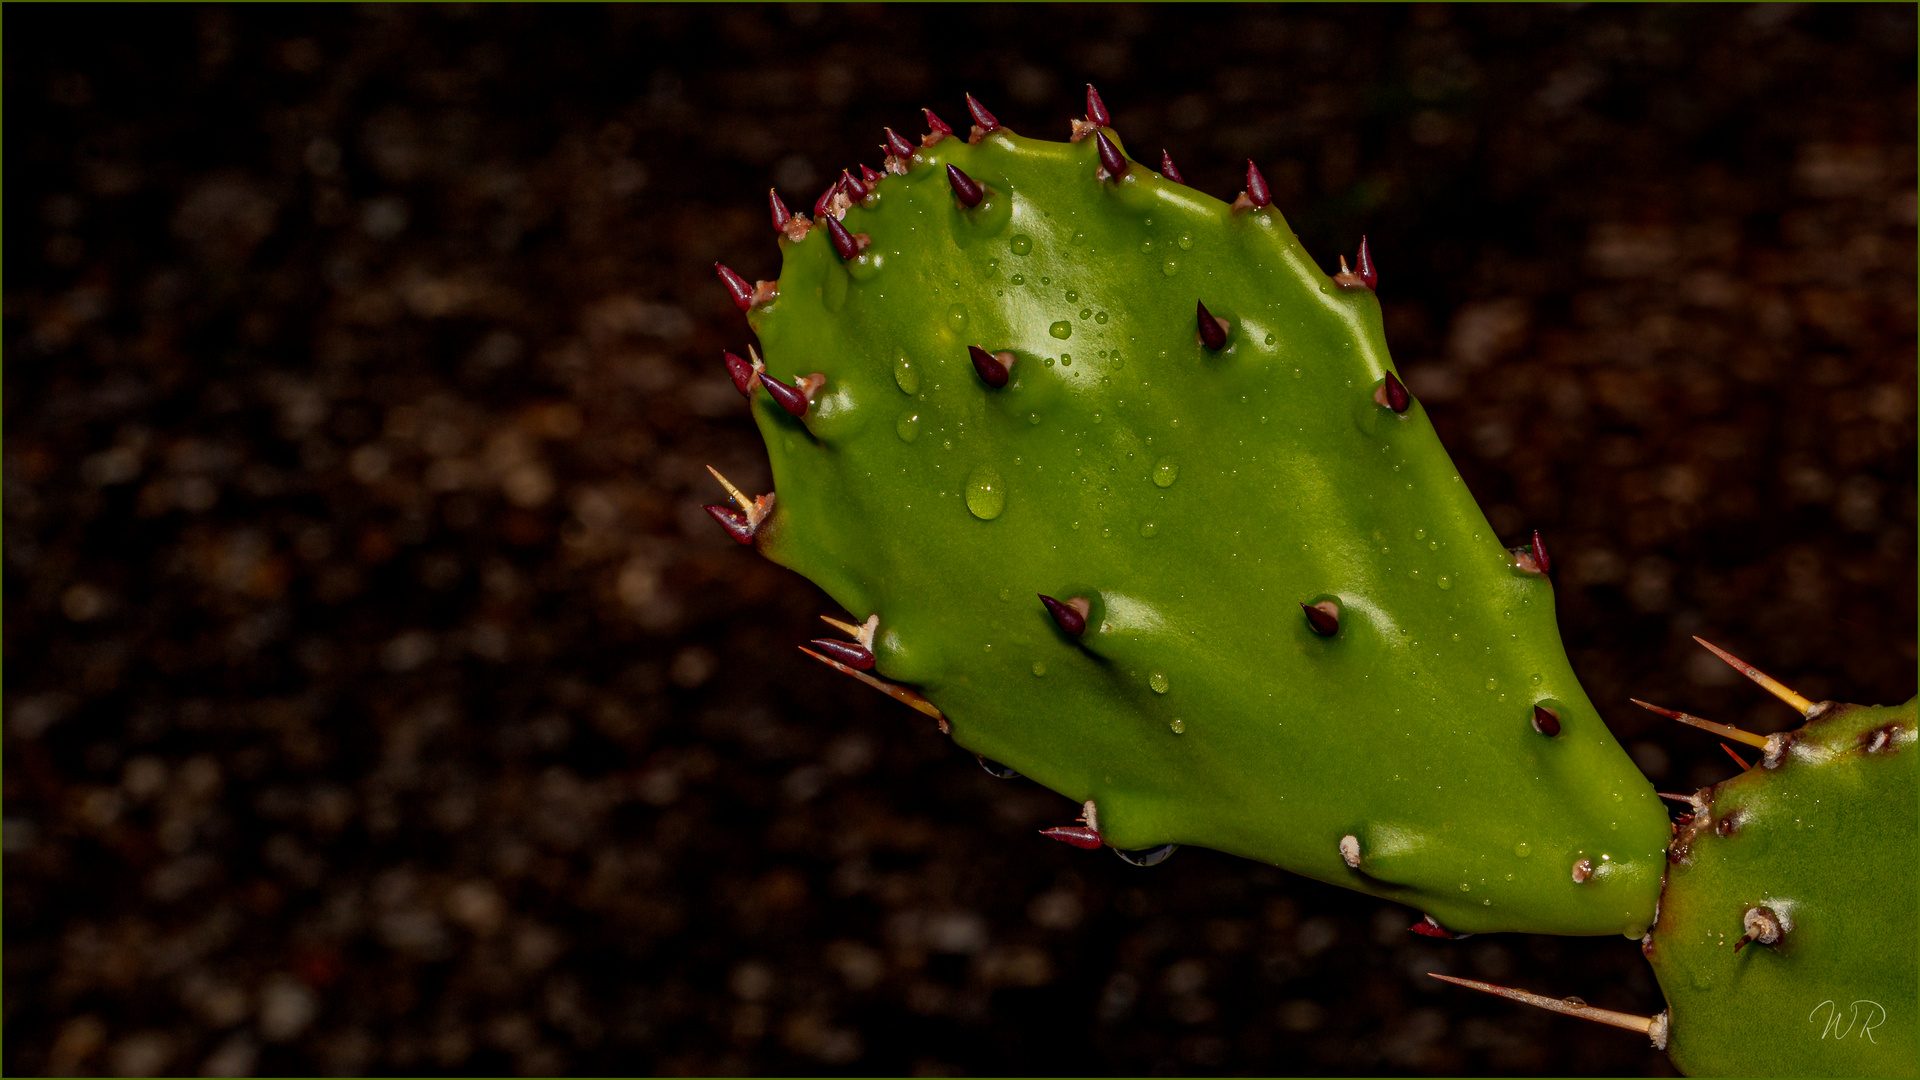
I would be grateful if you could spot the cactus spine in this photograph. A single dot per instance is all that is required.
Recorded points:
(1126, 492)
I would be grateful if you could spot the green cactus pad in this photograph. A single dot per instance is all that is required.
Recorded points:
(1826, 842)
(1196, 498)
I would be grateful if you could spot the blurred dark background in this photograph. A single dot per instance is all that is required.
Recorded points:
(379, 699)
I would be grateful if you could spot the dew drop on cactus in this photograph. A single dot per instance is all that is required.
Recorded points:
(986, 493)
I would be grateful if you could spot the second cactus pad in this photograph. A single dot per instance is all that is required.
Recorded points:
(1432, 747)
(1786, 942)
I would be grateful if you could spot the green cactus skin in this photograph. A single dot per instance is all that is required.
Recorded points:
(1827, 841)
(1197, 499)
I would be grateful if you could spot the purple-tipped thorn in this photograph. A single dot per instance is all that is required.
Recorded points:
(1078, 835)
(1110, 157)
(897, 145)
(1069, 615)
(1097, 109)
(1395, 391)
(992, 371)
(980, 115)
(737, 287)
(846, 652)
(734, 521)
(1257, 192)
(1540, 558)
(855, 187)
(822, 205)
(1428, 926)
(935, 124)
(965, 188)
(868, 175)
(1169, 170)
(1323, 618)
(742, 373)
(781, 215)
(1545, 721)
(843, 242)
(1212, 334)
(1363, 266)
(786, 396)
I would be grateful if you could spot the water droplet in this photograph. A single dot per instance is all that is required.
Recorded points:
(1535, 680)
(1062, 329)
(1078, 237)
(1076, 526)
(1049, 361)
(1492, 682)
(957, 318)
(1096, 418)
(908, 427)
(1433, 545)
(1045, 280)
(1158, 682)
(1419, 534)
(1617, 797)
(1177, 726)
(1100, 317)
(986, 495)
(1066, 359)
(1464, 886)
(1072, 295)
(1165, 473)
(1017, 279)
(1021, 243)
(906, 376)
(1148, 528)
(1117, 362)
(1271, 339)
(1039, 669)
(1522, 849)
(1170, 268)
(1185, 241)
(1296, 373)
(1033, 418)
(1146, 246)
(1446, 582)
(1086, 313)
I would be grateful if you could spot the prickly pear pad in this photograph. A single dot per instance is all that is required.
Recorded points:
(1196, 498)
(1825, 842)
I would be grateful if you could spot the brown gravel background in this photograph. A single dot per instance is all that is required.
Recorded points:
(380, 700)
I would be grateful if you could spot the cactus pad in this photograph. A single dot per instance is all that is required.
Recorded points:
(1785, 943)
(1183, 431)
